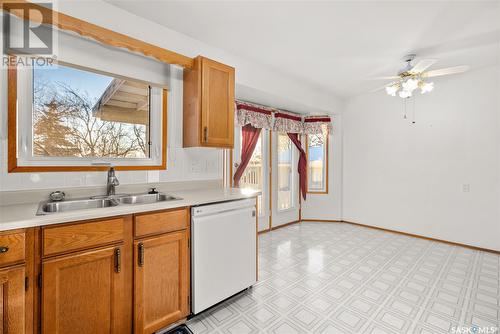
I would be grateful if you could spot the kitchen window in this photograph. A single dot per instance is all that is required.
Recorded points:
(317, 163)
(74, 117)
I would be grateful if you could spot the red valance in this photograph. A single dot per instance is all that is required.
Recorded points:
(263, 117)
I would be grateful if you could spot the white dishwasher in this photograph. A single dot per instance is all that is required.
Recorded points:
(223, 251)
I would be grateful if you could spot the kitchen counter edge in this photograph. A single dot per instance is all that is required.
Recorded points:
(24, 215)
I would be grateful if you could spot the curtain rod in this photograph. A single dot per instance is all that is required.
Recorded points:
(274, 110)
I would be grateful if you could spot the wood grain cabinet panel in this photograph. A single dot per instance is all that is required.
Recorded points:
(12, 248)
(12, 300)
(161, 222)
(78, 236)
(161, 289)
(209, 104)
(84, 293)
(217, 104)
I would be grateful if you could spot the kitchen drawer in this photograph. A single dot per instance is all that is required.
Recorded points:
(161, 222)
(12, 247)
(78, 236)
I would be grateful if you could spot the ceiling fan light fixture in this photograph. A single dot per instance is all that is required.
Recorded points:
(410, 85)
(413, 77)
(404, 94)
(392, 90)
(426, 87)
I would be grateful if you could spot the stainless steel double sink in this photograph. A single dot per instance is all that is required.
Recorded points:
(48, 207)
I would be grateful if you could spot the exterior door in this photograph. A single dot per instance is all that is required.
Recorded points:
(12, 300)
(161, 281)
(285, 181)
(217, 105)
(257, 174)
(85, 293)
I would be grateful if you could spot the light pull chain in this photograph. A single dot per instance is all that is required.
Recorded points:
(413, 121)
(404, 108)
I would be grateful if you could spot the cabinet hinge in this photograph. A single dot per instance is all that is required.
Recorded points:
(205, 134)
(40, 281)
(189, 242)
(189, 300)
(26, 283)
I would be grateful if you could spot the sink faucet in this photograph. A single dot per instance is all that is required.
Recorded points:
(112, 182)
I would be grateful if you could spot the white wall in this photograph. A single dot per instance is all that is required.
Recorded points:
(411, 177)
(329, 206)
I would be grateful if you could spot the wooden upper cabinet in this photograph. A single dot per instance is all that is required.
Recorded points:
(161, 289)
(12, 300)
(86, 293)
(208, 104)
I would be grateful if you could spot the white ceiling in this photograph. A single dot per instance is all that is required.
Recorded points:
(337, 45)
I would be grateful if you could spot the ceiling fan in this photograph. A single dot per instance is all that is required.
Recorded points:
(412, 77)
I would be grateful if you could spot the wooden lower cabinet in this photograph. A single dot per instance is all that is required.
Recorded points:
(162, 280)
(85, 292)
(94, 277)
(12, 300)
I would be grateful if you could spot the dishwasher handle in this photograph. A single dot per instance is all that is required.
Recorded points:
(211, 209)
(207, 214)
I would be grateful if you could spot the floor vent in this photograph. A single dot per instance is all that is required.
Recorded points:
(181, 329)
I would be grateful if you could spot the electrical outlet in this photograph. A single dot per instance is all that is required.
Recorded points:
(196, 167)
(210, 166)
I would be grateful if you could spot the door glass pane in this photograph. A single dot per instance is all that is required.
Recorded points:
(80, 113)
(253, 175)
(316, 165)
(284, 172)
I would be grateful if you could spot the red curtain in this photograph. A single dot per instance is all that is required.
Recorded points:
(302, 167)
(249, 141)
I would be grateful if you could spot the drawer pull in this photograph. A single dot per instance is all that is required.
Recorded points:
(141, 254)
(4, 249)
(118, 260)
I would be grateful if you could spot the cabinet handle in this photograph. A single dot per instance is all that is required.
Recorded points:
(4, 249)
(205, 134)
(118, 260)
(140, 248)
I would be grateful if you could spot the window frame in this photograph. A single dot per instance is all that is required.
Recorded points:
(63, 164)
(326, 164)
(292, 179)
(236, 152)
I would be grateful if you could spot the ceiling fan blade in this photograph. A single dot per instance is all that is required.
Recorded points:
(422, 65)
(394, 77)
(446, 71)
(382, 87)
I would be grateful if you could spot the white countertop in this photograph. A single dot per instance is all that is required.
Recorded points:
(24, 215)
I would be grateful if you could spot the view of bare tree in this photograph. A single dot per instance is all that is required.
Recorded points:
(65, 126)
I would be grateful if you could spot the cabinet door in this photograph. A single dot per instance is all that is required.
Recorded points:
(12, 300)
(161, 281)
(85, 293)
(217, 106)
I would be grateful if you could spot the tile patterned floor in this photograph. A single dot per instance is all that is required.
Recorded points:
(341, 278)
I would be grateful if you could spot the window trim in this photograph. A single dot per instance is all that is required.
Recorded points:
(293, 162)
(12, 129)
(97, 33)
(327, 149)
